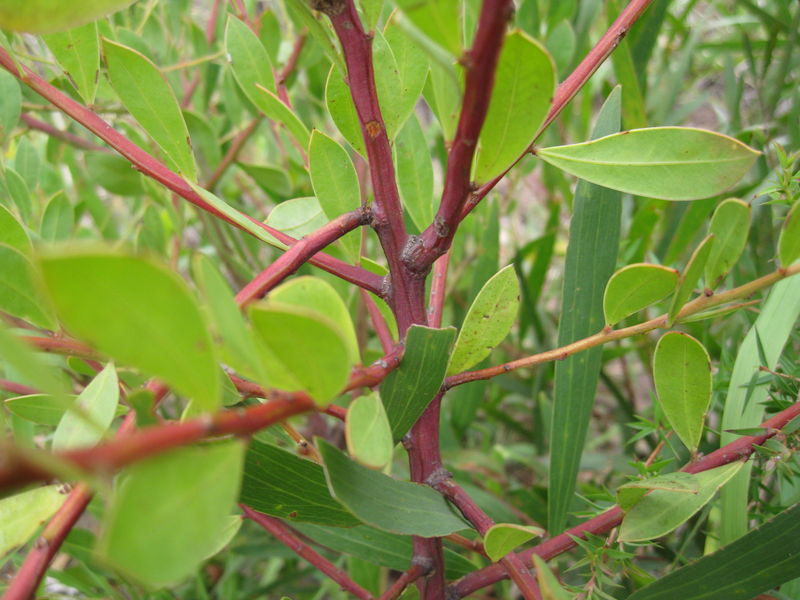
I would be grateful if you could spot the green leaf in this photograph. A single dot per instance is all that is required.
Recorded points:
(78, 53)
(114, 173)
(391, 505)
(682, 373)
(401, 70)
(591, 257)
(281, 484)
(19, 289)
(42, 16)
(58, 219)
(523, 89)
(730, 225)
(320, 296)
(690, 276)
(12, 233)
(628, 495)
(43, 409)
(369, 436)
(10, 103)
(635, 287)
(502, 538)
(147, 95)
(138, 312)
(249, 60)
(415, 173)
(276, 110)
(342, 110)
(271, 179)
(444, 96)
(789, 241)
(22, 514)
(408, 389)
(488, 321)
(90, 415)
(549, 585)
(440, 20)
(306, 346)
(167, 514)
(30, 368)
(335, 184)
(661, 511)
(671, 163)
(297, 217)
(758, 562)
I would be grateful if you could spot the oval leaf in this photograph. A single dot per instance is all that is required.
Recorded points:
(138, 312)
(635, 287)
(730, 225)
(415, 173)
(22, 514)
(488, 320)
(19, 292)
(671, 163)
(249, 60)
(502, 538)
(41, 16)
(789, 242)
(87, 420)
(12, 233)
(369, 437)
(690, 276)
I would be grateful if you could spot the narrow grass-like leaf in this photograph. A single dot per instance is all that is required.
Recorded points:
(502, 538)
(408, 389)
(689, 277)
(42, 16)
(22, 514)
(488, 321)
(276, 110)
(730, 225)
(391, 505)
(150, 531)
(137, 312)
(635, 287)
(369, 436)
(78, 52)
(522, 92)
(147, 95)
(249, 60)
(661, 511)
(789, 241)
(630, 493)
(682, 373)
(670, 163)
(87, 420)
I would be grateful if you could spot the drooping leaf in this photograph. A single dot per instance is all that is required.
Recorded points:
(661, 511)
(281, 484)
(249, 60)
(789, 241)
(391, 505)
(690, 276)
(147, 95)
(87, 420)
(730, 225)
(305, 345)
(22, 514)
(440, 20)
(78, 53)
(42, 16)
(521, 96)
(670, 163)
(150, 530)
(682, 373)
(591, 257)
(502, 538)
(19, 289)
(10, 103)
(276, 110)
(761, 560)
(369, 436)
(488, 321)
(408, 389)
(137, 312)
(630, 493)
(635, 287)
(548, 583)
(415, 173)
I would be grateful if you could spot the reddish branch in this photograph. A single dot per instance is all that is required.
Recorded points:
(737, 450)
(232, 153)
(414, 572)
(378, 322)
(17, 388)
(285, 534)
(60, 134)
(480, 63)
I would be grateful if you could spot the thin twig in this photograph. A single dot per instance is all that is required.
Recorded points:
(66, 136)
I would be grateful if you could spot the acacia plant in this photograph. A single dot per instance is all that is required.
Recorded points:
(357, 171)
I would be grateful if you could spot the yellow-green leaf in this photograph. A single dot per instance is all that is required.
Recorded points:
(42, 16)
(635, 287)
(730, 225)
(369, 437)
(502, 538)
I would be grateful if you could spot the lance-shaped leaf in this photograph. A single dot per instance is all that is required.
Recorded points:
(19, 289)
(137, 312)
(249, 59)
(415, 173)
(391, 505)
(671, 163)
(342, 111)
(635, 287)
(280, 483)
(502, 538)
(22, 514)
(661, 511)
(302, 347)
(369, 436)
(761, 560)
(440, 20)
(690, 276)
(408, 389)
(401, 70)
(276, 110)
(147, 95)
(730, 225)
(522, 92)
(630, 493)
(87, 420)
(42, 16)
(78, 53)
(150, 530)
(789, 241)
(488, 320)
(682, 373)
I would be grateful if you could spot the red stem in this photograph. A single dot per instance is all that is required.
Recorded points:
(17, 388)
(285, 534)
(438, 289)
(211, 26)
(408, 577)
(59, 134)
(378, 322)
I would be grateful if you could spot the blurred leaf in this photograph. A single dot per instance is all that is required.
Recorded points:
(630, 493)
(78, 53)
(13, 234)
(297, 217)
(249, 60)
(277, 111)
(30, 368)
(43, 409)
(438, 19)
(690, 276)
(114, 173)
(272, 179)
(369, 436)
(19, 289)
(789, 242)
(58, 219)
(670, 163)
(730, 225)
(548, 583)
(415, 173)
(22, 514)
(41, 16)
(91, 413)
(635, 287)
(503, 538)
(10, 103)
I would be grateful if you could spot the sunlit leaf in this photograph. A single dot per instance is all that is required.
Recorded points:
(91, 413)
(41, 16)
(22, 514)
(730, 225)
(502, 538)
(630, 493)
(635, 287)
(78, 52)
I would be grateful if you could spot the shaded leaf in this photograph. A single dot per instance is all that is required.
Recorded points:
(635, 287)
(12, 233)
(10, 103)
(276, 110)
(58, 219)
(440, 20)
(249, 60)
(415, 173)
(22, 514)
(342, 111)
(548, 583)
(19, 289)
